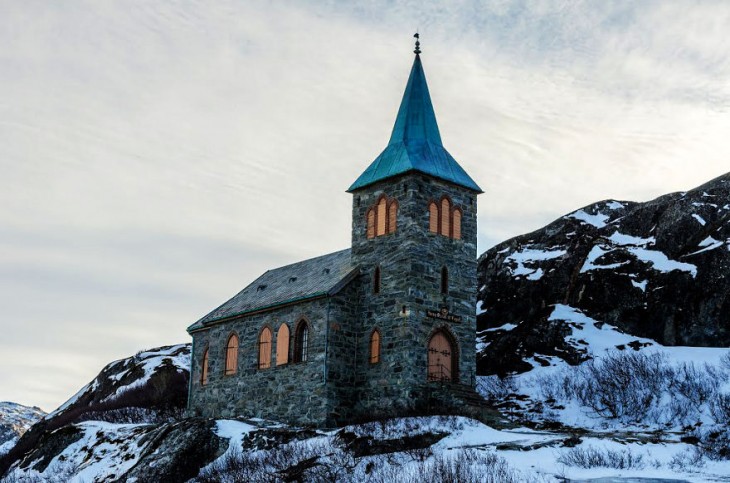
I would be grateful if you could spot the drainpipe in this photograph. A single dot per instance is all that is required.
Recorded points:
(326, 341)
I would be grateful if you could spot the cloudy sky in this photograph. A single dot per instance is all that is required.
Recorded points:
(155, 157)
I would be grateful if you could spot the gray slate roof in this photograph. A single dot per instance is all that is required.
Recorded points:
(315, 277)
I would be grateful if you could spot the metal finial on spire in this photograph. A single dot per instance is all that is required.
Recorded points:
(418, 44)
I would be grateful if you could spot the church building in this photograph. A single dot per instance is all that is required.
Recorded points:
(386, 327)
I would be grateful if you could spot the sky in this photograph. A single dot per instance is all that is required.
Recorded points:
(156, 157)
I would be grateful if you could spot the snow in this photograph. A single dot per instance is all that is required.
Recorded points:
(7, 445)
(598, 220)
(596, 253)
(640, 285)
(530, 256)
(659, 261)
(709, 243)
(614, 205)
(480, 310)
(628, 240)
(699, 219)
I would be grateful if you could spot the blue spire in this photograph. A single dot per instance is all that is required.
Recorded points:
(415, 143)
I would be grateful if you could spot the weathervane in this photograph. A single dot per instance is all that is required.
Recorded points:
(418, 44)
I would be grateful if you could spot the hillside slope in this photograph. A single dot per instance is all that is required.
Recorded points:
(16, 419)
(656, 269)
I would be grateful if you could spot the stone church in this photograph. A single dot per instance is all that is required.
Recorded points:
(386, 327)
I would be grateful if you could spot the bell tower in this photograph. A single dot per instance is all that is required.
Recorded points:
(414, 237)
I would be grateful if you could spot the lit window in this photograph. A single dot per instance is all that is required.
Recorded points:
(232, 355)
(433, 218)
(392, 216)
(445, 217)
(371, 223)
(204, 371)
(457, 224)
(282, 345)
(380, 218)
(375, 347)
(265, 348)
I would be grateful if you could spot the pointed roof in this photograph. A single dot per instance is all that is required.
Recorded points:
(415, 144)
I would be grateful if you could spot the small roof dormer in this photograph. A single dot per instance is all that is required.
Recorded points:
(415, 143)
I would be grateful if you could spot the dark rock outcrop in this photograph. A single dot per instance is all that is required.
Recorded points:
(657, 269)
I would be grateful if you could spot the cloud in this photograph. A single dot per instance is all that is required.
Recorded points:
(157, 157)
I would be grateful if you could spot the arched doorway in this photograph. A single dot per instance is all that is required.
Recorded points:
(442, 361)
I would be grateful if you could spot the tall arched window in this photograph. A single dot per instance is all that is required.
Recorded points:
(265, 348)
(282, 345)
(375, 347)
(445, 217)
(371, 223)
(381, 217)
(444, 280)
(376, 280)
(204, 369)
(231, 355)
(392, 216)
(301, 342)
(457, 224)
(433, 217)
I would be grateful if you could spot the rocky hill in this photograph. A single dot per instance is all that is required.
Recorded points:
(15, 419)
(148, 387)
(657, 269)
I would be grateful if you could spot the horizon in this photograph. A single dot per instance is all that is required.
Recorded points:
(139, 143)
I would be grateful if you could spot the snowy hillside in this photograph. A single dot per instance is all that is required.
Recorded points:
(149, 387)
(656, 270)
(15, 419)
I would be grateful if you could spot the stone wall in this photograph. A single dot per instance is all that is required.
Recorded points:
(293, 393)
(410, 261)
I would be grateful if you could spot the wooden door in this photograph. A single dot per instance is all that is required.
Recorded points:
(440, 358)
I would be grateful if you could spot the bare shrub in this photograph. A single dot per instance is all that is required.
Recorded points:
(696, 384)
(714, 442)
(622, 384)
(234, 466)
(496, 389)
(720, 408)
(687, 460)
(592, 457)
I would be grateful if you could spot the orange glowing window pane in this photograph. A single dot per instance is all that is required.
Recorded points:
(371, 223)
(375, 347)
(433, 218)
(204, 371)
(457, 224)
(265, 348)
(282, 345)
(392, 216)
(232, 355)
(445, 215)
(380, 218)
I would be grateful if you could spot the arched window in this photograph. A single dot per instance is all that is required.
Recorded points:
(232, 355)
(301, 342)
(265, 348)
(282, 345)
(381, 217)
(433, 218)
(444, 280)
(204, 369)
(445, 217)
(457, 224)
(375, 347)
(371, 223)
(392, 216)
(376, 280)
(443, 363)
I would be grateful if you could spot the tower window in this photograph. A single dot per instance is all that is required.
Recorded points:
(301, 342)
(433, 217)
(371, 223)
(444, 280)
(456, 228)
(392, 216)
(382, 218)
(231, 355)
(376, 280)
(282, 345)
(375, 347)
(444, 218)
(204, 369)
(265, 348)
